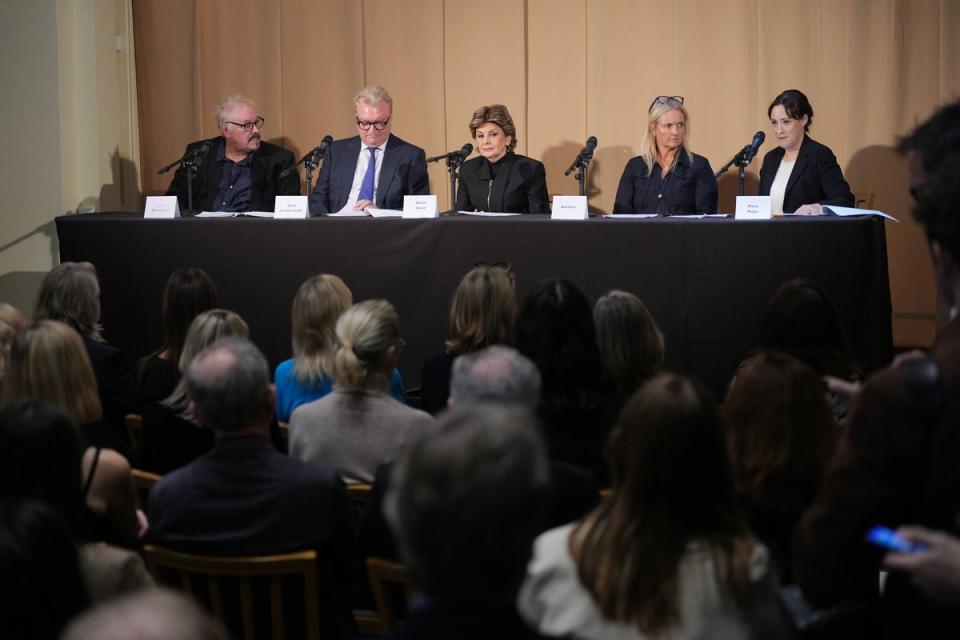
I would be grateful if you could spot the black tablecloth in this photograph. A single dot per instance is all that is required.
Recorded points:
(706, 281)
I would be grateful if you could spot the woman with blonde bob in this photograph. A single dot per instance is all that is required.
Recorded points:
(170, 436)
(359, 426)
(483, 313)
(48, 364)
(665, 555)
(667, 178)
(308, 375)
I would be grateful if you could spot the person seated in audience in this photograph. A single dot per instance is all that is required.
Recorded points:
(631, 343)
(189, 292)
(555, 330)
(500, 180)
(465, 504)
(49, 364)
(780, 435)
(170, 435)
(308, 376)
(666, 554)
(933, 565)
(11, 321)
(70, 293)
(483, 313)
(40, 459)
(896, 462)
(246, 498)
(154, 614)
(358, 427)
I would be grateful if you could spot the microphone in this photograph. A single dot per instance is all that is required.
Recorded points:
(585, 156)
(461, 154)
(751, 151)
(316, 154)
(194, 156)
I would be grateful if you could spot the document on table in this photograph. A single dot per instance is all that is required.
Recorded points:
(384, 213)
(488, 214)
(234, 214)
(833, 209)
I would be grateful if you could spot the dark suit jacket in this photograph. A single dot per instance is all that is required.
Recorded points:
(688, 189)
(520, 186)
(269, 162)
(816, 177)
(245, 498)
(115, 386)
(404, 173)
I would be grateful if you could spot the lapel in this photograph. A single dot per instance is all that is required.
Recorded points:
(388, 171)
(798, 168)
(213, 176)
(343, 179)
(501, 182)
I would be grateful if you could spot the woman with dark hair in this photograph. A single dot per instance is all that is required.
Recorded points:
(665, 555)
(800, 174)
(483, 313)
(631, 343)
(189, 292)
(780, 436)
(500, 180)
(555, 330)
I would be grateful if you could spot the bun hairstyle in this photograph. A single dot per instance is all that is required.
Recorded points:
(365, 331)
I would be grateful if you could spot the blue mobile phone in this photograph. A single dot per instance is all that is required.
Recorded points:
(888, 539)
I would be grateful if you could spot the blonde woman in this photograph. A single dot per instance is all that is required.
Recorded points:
(11, 321)
(48, 364)
(170, 437)
(667, 178)
(308, 375)
(358, 426)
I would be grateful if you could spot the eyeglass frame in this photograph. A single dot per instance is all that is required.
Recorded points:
(665, 100)
(378, 125)
(248, 126)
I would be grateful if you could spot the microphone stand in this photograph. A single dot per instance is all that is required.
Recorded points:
(191, 162)
(580, 163)
(741, 161)
(453, 163)
(311, 165)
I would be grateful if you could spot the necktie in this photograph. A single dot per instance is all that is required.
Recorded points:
(366, 187)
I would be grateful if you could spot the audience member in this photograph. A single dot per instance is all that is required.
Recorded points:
(896, 463)
(358, 427)
(465, 504)
(483, 313)
(933, 565)
(555, 330)
(780, 435)
(70, 293)
(189, 292)
(665, 555)
(631, 343)
(244, 497)
(48, 364)
(11, 321)
(308, 376)
(170, 435)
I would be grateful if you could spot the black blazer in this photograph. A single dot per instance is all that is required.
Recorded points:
(816, 177)
(272, 175)
(520, 186)
(688, 189)
(404, 173)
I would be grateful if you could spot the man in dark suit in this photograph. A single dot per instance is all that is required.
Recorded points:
(244, 497)
(372, 169)
(237, 171)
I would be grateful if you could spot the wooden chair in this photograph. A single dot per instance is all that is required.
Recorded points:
(134, 421)
(864, 199)
(359, 493)
(143, 481)
(207, 578)
(387, 578)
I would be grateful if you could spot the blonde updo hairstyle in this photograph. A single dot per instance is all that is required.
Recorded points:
(365, 331)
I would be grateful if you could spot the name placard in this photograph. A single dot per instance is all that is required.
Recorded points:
(291, 207)
(419, 206)
(569, 208)
(161, 207)
(754, 208)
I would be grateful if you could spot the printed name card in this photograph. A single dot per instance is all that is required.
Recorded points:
(753, 208)
(569, 208)
(419, 206)
(291, 207)
(161, 207)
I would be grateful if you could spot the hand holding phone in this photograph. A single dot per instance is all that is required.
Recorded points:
(889, 539)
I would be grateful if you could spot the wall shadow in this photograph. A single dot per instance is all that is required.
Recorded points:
(729, 184)
(122, 193)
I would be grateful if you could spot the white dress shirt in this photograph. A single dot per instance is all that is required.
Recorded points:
(362, 161)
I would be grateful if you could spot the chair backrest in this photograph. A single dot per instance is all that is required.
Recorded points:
(864, 199)
(359, 494)
(134, 421)
(209, 578)
(143, 481)
(387, 578)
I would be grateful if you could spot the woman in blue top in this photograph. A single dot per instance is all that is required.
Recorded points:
(308, 376)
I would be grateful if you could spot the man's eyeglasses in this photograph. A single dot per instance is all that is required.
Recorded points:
(248, 126)
(379, 125)
(665, 100)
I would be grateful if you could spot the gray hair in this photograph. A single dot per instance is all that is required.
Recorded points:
(495, 374)
(467, 499)
(227, 106)
(373, 94)
(228, 384)
(70, 293)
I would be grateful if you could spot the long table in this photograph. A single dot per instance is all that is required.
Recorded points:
(706, 281)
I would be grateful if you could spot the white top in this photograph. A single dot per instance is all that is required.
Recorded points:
(553, 600)
(362, 161)
(779, 187)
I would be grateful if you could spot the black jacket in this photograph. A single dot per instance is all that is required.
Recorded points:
(268, 164)
(520, 186)
(816, 177)
(687, 189)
